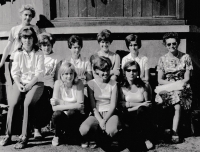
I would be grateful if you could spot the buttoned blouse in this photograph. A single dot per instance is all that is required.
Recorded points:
(28, 65)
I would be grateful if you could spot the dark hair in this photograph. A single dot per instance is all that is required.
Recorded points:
(104, 35)
(75, 39)
(44, 37)
(28, 31)
(101, 63)
(171, 35)
(135, 38)
(138, 81)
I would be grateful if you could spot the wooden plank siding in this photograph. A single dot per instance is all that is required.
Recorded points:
(137, 8)
(65, 12)
(73, 8)
(83, 9)
(147, 8)
(117, 8)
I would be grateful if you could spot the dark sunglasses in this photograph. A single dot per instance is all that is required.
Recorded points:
(133, 70)
(27, 37)
(174, 44)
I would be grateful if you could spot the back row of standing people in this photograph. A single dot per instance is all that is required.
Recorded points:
(28, 68)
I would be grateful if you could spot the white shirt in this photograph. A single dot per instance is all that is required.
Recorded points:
(50, 62)
(141, 60)
(26, 66)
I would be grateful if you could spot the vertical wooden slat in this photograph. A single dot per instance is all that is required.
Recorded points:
(114, 8)
(180, 9)
(73, 8)
(83, 10)
(137, 8)
(163, 7)
(172, 7)
(147, 8)
(64, 8)
(156, 8)
(92, 8)
(46, 8)
(101, 9)
(128, 8)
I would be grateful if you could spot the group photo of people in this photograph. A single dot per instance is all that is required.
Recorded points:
(99, 101)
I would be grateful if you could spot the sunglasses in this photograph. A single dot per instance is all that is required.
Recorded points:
(174, 44)
(131, 70)
(27, 37)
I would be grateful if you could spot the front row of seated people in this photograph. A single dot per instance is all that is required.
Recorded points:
(114, 106)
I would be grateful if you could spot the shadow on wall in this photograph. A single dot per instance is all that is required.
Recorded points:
(43, 22)
(2, 2)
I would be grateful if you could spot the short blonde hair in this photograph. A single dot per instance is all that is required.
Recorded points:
(66, 65)
(28, 7)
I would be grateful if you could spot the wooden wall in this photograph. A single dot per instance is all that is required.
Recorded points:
(116, 8)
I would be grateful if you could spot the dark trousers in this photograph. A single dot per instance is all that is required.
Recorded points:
(43, 111)
(68, 124)
(139, 128)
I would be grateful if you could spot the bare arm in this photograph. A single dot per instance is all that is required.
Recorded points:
(56, 101)
(186, 76)
(6, 51)
(146, 75)
(113, 103)
(93, 104)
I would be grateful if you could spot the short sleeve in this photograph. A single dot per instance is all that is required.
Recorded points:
(11, 35)
(188, 62)
(160, 65)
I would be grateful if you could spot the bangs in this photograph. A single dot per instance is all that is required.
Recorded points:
(26, 32)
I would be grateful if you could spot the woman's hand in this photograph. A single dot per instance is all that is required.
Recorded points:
(102, 124)
(146, 103)
(21, 87)
(79, 106)
(54, 101)
(28, 87)
(127, 104)
(115, 72)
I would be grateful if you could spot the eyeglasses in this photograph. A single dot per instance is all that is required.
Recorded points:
(174, 44)
(131, 70)
(27, 37)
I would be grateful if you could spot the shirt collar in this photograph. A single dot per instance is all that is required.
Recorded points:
(76, 61)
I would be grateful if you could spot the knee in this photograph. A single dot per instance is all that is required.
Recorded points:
(112, 130)
(56, 115)
(141, 110)
(84, 129)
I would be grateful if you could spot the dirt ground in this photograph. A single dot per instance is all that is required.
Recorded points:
(191, 144)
